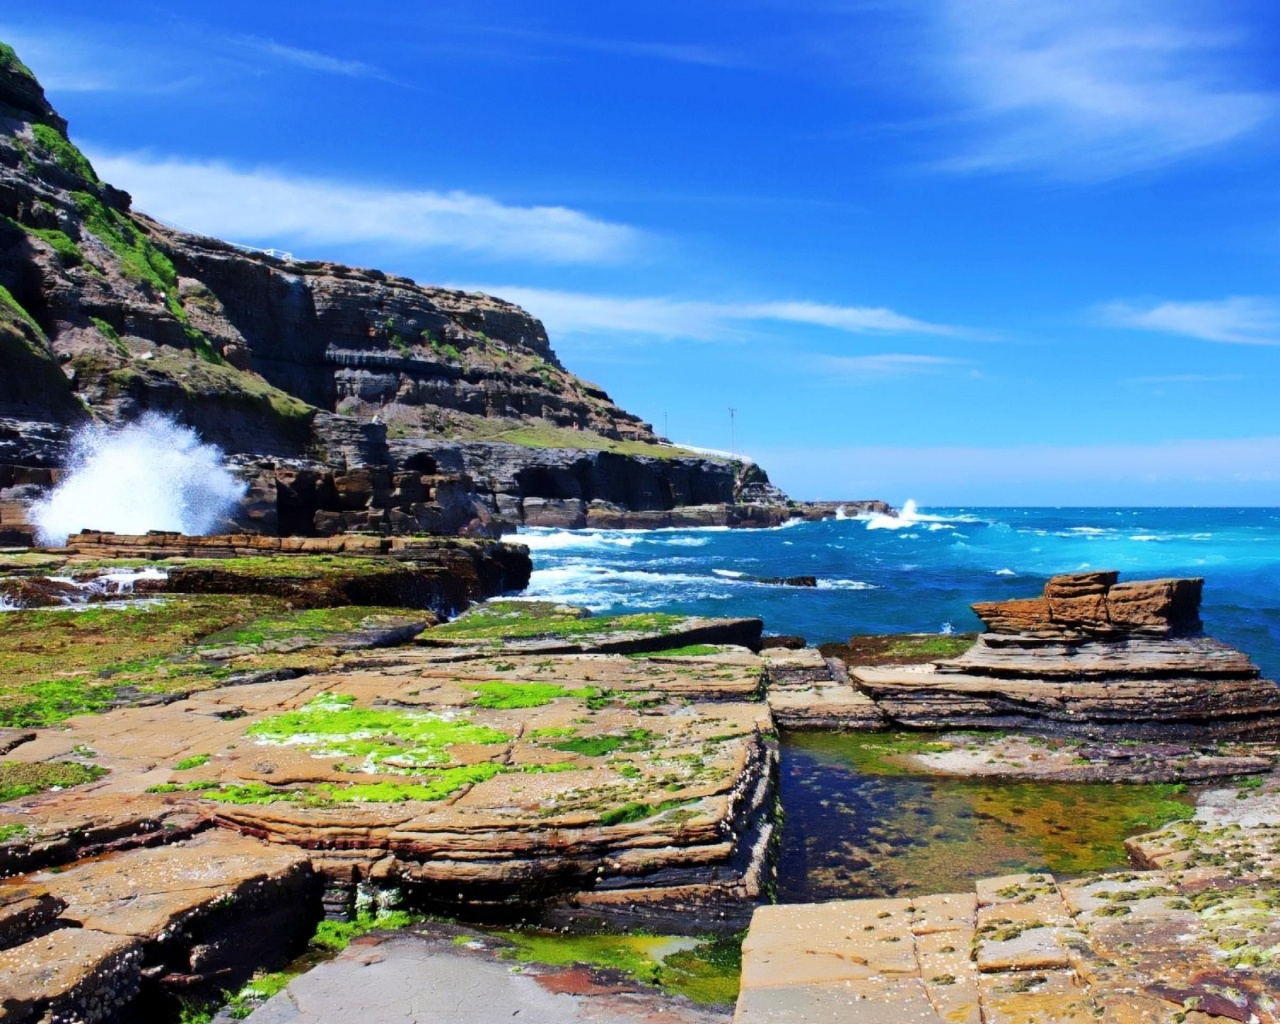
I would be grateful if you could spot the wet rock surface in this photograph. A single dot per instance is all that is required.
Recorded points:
(438, 975)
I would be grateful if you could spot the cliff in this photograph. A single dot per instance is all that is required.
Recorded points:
(296, 367)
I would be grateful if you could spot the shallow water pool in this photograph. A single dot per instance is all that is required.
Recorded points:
(858, 821)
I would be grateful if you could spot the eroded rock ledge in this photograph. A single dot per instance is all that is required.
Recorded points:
(1090, 657)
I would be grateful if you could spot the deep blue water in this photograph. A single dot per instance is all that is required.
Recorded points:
(920, 573)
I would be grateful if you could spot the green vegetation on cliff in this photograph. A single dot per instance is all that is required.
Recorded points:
(213, 379)
(141, 260)
(546, 435)
(64, 152)
(32, 376)
(10, 62)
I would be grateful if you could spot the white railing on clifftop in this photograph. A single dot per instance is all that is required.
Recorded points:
(275, 254)
(715, 453)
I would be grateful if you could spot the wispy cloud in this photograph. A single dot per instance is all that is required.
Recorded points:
(311, 59)
(1239, 320)
(1192, 378)
(657, 50)
(1092, 89)
(663, 317)
(277, 209)
(890, 364)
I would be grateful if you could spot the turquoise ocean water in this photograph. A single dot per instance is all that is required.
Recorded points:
(920, 572)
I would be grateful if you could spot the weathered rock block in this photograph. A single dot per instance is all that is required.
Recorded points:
(1094, 604)
(1080, 599)
(1156, 607)
(1025, 616)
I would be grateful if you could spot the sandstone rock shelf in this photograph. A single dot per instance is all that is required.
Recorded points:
(1122, 948)
(1093, 657)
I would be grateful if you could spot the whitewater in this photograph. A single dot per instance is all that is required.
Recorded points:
(920, 571)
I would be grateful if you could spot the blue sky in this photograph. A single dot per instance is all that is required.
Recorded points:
(983, 252)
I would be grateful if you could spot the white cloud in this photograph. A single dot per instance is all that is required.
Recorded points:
(283, 211)
(311, 59)
(1091, 89)
(891, 364)
(1239, 320)
(580, 313)
(1190, 471)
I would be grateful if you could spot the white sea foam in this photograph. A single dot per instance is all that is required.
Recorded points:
(1005, 572)
(119, 582)
(149, 475)
(539, 538)
(846, 585)
(910, 515)
(728, 573)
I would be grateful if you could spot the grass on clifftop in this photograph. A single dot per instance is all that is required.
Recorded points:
(546, 435)
(9, 61)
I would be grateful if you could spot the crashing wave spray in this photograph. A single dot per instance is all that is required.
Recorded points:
(151, 475)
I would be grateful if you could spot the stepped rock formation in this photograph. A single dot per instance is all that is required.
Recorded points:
(1125, 948)
(331, 387)
(1091, 656)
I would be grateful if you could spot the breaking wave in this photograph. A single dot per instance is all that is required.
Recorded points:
(151, 475)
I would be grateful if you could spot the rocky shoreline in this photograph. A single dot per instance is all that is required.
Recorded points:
(519, 762)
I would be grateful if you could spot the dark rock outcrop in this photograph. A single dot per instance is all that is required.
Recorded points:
(442, 574)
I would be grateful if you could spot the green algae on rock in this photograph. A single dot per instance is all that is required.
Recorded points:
(705, 970)
(58, 663)
(331, 726)
(19, 778)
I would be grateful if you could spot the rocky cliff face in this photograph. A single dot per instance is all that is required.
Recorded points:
(290, 365)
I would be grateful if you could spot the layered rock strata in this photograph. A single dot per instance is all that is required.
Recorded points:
(89, 939)
(1090, 657)
(444, 575)
(613, 785)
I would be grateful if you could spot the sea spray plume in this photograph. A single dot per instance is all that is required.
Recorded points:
(150, 475)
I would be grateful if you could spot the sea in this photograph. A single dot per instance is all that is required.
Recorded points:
(921, 570)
